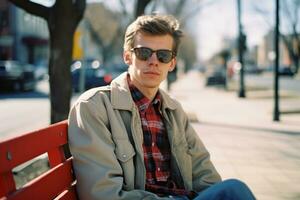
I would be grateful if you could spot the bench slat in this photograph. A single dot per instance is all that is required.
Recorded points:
(16, 151)
(69, 194)
(57, 183)
(49, 185)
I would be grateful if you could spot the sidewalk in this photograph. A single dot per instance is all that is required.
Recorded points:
(243, 140)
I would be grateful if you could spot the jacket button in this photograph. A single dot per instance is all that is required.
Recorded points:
(124, 156)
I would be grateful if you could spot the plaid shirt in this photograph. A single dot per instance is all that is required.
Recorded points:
(156, 145)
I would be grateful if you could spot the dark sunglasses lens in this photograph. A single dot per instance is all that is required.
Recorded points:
(143, 53)
(164, 56)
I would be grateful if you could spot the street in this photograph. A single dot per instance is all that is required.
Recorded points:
(267, 80)
(22, 112)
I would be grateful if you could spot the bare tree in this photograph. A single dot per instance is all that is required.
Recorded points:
(62, 19)
(185, 10)
(140, 7)
(291, 13)
(107, 27)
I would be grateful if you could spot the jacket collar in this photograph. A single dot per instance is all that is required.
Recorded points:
(121, 96)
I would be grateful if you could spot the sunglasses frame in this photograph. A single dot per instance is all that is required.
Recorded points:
(154, 51)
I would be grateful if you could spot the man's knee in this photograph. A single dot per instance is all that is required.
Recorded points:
(238, 188)
(235, 184)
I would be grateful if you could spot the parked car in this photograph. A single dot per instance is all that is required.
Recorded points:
(252, 69)
(17, 76)
(216, 77)
(285, 71)
(116, 69)
(94, 75)
(41, 70)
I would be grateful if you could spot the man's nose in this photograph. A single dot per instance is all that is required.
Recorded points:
(153, 58)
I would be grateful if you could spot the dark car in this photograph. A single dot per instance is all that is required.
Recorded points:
(17, 76)
(116, 69)
(95, 75)
(216, 77)
(285, 71)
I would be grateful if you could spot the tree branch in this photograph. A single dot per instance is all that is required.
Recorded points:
(123, 6)
(140, 7)
(154, 6)
(79, 7)
(32, 8)
(179, 8)
(194, 11)
(263, 13)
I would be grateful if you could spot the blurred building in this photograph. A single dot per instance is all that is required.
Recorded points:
(23, 37)
(266, 54)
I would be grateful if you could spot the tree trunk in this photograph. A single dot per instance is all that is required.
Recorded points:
(62, 18)
(62, 24)
(59, 73)
(140, 7)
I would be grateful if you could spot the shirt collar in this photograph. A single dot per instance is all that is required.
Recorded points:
(121, 97)
(140, 99)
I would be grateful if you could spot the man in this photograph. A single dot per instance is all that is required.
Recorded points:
(130, 140)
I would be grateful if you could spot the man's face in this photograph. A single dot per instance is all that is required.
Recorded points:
(148, 74)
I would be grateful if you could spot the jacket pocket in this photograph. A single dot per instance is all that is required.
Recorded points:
(125, 153)
(124, 150)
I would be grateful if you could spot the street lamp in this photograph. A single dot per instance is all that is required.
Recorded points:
(276, 112)
(241, 47)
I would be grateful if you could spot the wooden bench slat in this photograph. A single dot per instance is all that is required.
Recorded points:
(16, 151)
(58, 183)
(69, 194)
(47, 186)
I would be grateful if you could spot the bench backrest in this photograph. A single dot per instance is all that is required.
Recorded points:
(57, 183)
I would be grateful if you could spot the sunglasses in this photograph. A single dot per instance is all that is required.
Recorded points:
(144, 53)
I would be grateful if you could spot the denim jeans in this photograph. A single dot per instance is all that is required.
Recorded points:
(231, 189)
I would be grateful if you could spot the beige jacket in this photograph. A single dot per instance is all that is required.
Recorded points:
(108, 159)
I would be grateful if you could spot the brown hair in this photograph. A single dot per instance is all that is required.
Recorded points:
(153, 25)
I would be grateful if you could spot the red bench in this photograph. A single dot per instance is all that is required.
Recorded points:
(57, 183)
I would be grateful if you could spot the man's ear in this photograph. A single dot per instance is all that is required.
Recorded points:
(172, 65)
(127, 57)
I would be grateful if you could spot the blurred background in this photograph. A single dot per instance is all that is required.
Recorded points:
(237, 74)
(210, 42)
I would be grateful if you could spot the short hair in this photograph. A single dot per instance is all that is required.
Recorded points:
(153, 25)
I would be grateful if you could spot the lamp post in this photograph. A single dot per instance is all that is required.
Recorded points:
(276, 112)
(241, 47)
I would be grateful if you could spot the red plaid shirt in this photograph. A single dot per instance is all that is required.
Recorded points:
(156, 145)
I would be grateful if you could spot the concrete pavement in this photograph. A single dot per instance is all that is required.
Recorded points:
(243, 140)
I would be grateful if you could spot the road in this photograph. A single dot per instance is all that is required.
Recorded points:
(25, 111)
(22, 112)
(267, 80)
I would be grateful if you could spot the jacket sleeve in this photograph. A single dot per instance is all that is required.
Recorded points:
(97, 169)
(204, 173)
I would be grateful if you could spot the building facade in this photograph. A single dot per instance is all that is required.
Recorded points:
(266, 54)
(23, 37)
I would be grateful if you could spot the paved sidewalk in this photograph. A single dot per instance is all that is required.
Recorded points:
(243, 140)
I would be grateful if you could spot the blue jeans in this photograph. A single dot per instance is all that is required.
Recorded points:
(230, 189)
